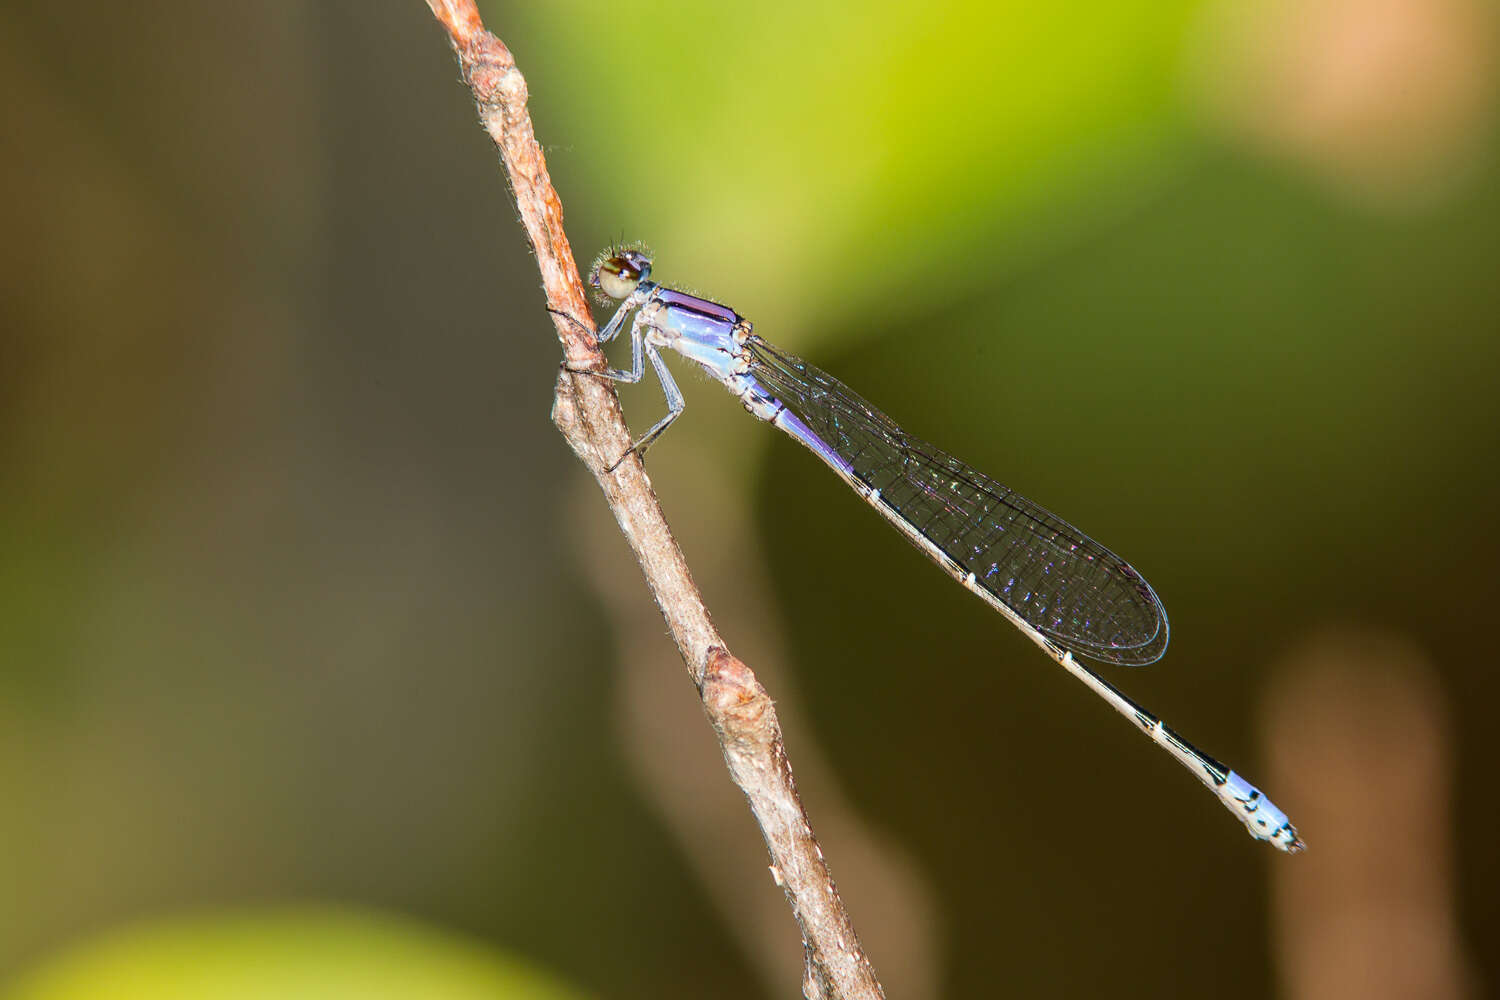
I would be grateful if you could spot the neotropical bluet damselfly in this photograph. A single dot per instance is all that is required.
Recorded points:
(1067, 593)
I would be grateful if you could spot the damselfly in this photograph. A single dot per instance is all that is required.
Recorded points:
(1064, 591)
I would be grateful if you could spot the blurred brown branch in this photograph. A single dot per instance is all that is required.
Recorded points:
(587, 412)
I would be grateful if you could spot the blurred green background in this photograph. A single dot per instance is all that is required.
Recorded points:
(310, 622)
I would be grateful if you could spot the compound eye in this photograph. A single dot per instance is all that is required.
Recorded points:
(619, 271)
(616, 276)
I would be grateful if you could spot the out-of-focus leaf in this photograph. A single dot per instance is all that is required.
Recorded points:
(768, 140)
(321, 953)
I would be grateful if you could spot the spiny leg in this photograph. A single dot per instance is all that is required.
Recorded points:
(637, 369)
(587, 331)
(675, 402)
(639, 351)
(616, 322)
(608, 331)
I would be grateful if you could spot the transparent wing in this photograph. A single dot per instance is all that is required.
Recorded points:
(1057, 579)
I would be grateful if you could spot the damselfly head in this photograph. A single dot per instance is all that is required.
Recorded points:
(618, 270)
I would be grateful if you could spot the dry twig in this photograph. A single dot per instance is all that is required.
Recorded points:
(587, 412)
